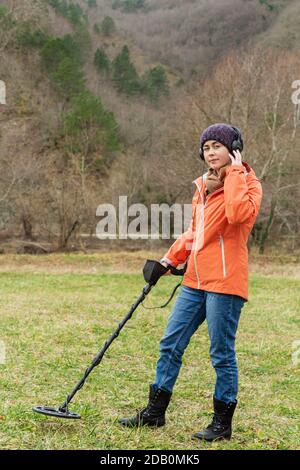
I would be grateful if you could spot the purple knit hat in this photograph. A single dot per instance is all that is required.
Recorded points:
(223, 133)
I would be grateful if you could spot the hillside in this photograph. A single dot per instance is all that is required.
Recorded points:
(108, 97)
(189, 36)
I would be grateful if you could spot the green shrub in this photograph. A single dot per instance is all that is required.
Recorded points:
(108, 26)
(27, 36)
(71, 11)
(101, 61)
(97, 28)
(125, 76)
(68, 78)
(91, 3)
(6, 20)
(269, 5)
(75, 14)
(129, 6)
(61, 58)
(89, 126)
(57, 49)
(156, 83)
(3, 11)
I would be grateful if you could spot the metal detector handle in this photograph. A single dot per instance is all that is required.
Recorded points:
(177, 272)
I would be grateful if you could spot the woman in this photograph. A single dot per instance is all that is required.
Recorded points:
(215, 286)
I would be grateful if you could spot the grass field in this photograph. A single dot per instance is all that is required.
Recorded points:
(57, 311)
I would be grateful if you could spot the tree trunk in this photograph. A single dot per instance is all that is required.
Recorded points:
(27, 226)
(267, 226)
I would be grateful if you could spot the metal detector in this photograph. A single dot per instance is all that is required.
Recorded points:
(152, 271)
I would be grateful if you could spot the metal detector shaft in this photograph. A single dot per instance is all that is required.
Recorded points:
(97, 359)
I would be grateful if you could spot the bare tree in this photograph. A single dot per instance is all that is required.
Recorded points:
(253, 91)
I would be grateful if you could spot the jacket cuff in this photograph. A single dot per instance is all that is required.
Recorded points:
(232, 168)
(167, 260)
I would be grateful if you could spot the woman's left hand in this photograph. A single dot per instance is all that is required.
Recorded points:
(237, 159)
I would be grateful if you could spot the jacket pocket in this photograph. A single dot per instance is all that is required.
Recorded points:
(221, 241)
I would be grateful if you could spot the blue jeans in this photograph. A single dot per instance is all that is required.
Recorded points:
(192, 307)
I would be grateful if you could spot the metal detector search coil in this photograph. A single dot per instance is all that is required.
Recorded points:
(57, 413)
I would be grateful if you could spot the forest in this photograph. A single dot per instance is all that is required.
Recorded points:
(108, 98)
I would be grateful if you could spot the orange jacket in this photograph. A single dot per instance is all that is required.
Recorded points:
(216, 240)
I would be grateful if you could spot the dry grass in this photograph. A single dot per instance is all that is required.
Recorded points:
(287, 266)
(57, 311)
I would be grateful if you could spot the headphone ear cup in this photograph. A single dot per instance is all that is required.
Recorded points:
(201, 155)
(237, 145)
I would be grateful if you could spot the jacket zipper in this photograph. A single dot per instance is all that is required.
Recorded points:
(195, 260)
(223, 256)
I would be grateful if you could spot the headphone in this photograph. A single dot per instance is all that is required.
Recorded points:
(237, 144)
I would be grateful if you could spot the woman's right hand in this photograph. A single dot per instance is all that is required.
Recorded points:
(165, 265)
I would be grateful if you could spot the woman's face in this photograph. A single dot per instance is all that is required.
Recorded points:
(216, 155)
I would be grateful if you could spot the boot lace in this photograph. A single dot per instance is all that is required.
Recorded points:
(217, 423)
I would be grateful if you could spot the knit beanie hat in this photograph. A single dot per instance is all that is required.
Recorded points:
(223, 133)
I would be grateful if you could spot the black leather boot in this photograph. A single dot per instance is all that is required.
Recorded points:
(220, 427)
(154, 413)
